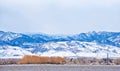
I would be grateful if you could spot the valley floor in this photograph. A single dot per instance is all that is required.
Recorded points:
(58, 67)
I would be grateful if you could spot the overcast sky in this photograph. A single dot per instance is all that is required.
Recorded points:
(59, 16)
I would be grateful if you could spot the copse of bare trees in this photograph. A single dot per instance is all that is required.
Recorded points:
(8, 61)
(33, 59)
(92, 61)
(116, 61)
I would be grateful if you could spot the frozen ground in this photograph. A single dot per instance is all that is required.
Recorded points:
(52, 67)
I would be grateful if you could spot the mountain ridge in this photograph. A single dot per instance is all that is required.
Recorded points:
(110, 38)
(94, 44)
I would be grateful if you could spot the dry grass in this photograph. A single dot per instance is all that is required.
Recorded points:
(32, 59)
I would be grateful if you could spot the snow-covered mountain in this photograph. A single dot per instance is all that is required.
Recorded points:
(91, 44)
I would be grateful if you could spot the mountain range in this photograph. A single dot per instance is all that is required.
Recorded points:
(90, 44)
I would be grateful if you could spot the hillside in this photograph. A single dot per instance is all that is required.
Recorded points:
(91, 44)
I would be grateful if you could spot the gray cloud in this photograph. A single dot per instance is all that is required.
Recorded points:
(59, 16)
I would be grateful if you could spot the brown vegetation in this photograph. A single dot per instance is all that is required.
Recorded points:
(32, 59)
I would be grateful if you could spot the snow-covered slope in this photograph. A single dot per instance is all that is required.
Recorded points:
(71, 49)
(12, 51)
(77, 48)
(91, 44)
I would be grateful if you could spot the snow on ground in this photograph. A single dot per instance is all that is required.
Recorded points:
(12, 51)
(64, 49)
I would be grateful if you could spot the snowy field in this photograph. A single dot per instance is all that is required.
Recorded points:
(52, 67)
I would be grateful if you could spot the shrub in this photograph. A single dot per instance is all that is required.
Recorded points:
(116, 61)
(32, 59)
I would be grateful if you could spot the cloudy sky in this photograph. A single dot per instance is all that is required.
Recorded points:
(59, 16)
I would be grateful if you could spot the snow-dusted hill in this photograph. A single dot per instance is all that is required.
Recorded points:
(77, 48)
(91, 44)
